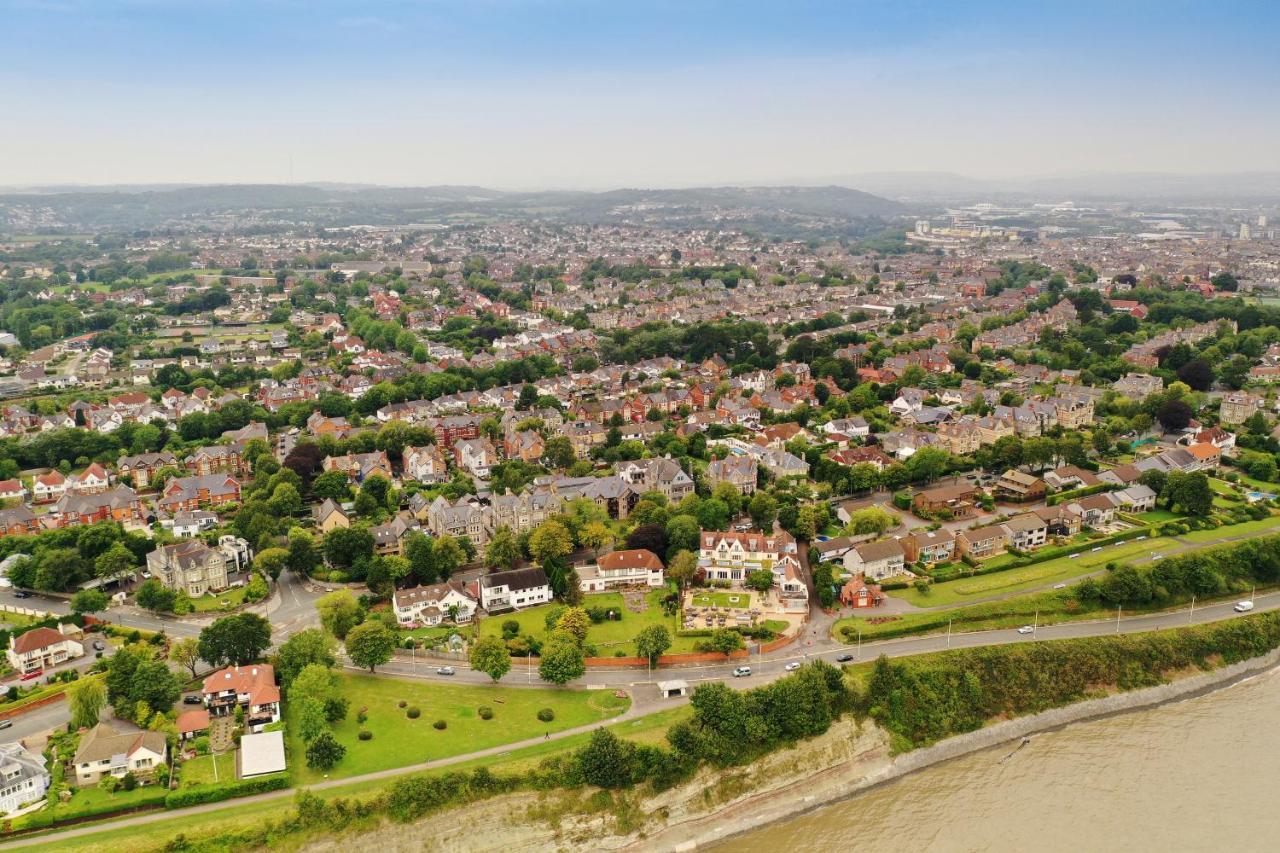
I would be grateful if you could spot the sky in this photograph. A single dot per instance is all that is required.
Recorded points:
(607, 93)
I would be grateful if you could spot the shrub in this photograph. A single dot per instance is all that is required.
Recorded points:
(401, 703)
(485, 712)
(214, 793)
(361, 716)
(546, 715)
(365, 734)
(128, 782)
(413, 713)
(439, 725)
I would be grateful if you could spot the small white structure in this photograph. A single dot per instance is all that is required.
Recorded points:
(672, 689)
(260, 755)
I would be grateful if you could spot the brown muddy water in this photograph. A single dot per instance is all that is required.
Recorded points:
(1197, 775)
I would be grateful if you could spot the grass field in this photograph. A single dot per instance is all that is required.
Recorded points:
(608, 637)
(398, 740)
(233, 597)
(1033, 576)
(650, 728)
(200, 770)
(738, 600)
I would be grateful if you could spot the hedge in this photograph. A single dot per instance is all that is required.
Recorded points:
(1054, 500)
(216, 793)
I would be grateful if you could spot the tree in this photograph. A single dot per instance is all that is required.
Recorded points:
(271, 562)
(87, 697)
(285, 500)
(682, 567)
(683, 533)
(339, 612)
(871, 519)
(447, 555)
(558, 452)
(307, 647)
(312, 721)
(333, 485)
(1225, 280)
(303, 556)
(503, 551)
(491, 656)
(596, 535)
(652, 642)
(324, 752)
(550, 541)
(371, 644)
(1190, 493)
(1174, 415)
(726, 641)
(115, 563)
(1197, 373)
(344, 546)
(156, 597)
(607, 760)
(761, 580)
(574, 623)
(88, 601)
(186, 652)
(238, 639)
(155, 684)
(763, 510)
(561, 661)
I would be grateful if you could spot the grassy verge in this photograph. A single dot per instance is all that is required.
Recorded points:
(398, 740)
(608, 637)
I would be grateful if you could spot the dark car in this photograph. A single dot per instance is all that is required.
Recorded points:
(844, 658)
(192, 700)
(21, 594)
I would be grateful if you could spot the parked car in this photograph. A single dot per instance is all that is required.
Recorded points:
(1026, 629)
(445, 670)
(99, 646)
(741, 671)
(192, 700)
(4, 724)
(844, 658)
(32, 675)
(793, 666)
(1243, 606)
(21, 594)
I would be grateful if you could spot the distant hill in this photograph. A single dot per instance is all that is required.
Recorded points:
(788, 208)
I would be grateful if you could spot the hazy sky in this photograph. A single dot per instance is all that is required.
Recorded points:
(591, 93)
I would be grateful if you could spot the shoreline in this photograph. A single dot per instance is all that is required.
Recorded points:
(805, 795)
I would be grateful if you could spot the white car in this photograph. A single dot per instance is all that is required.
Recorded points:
(445, 670)
(793, 666)
(1026, 629)
(1059, 586)
(742, 672)
(1243, 606)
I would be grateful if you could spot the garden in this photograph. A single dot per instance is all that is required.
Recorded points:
(706, 598)
(403, 719)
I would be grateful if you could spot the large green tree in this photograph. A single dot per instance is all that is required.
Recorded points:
(237, 640)
(370, 644)
(491, 656)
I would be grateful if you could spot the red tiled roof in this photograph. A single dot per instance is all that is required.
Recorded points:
(257, 680)
(36, 638)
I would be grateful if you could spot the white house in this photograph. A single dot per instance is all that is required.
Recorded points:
(23, 777)
(635, 567)
(514, 589)
(876, 560)
(40, 649)
(430, 605)
(105, 751)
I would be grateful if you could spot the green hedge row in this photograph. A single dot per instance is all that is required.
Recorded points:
(1060, 497)
(226, 791)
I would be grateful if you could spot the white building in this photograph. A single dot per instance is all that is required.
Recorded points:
(430, 605)
(635, 567)
(40, 649)
(514, 589)
(23, 777)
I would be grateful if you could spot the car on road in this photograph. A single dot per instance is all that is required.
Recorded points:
(1243, 606)
(192, 700)
(793, 666)
(4, 724)
(1099, 548)
(32, 675)
(1026, 629)
(445, 670)
(99, 646)
(21, 594)
(844, 658)
(742, 671)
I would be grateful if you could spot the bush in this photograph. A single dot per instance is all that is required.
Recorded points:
(401, 704)
(128, 782)
(485, 712)
(365, 734)
(413, 713)
(439, 725)
(225, 791)
(361, 716)
(546, 715)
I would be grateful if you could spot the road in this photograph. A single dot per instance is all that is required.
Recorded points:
(764, 669)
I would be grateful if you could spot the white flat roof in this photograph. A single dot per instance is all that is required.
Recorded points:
(261, 754)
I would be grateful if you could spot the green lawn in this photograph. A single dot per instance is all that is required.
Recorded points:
(1266, 524)
(1030, 577)
(1158, 516)
(94, 800)
(200, 770)
(608, 637)
(398, 740)
(738, 600)
(233, 597)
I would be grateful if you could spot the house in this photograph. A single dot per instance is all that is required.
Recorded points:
(12, 490)
(1061, 520)
(1070, 477)
(929, 547)
(857, 593)
(1094, 510)
(190, 566)
(19, 521)
(731, 556)
(1138, 498)
(251, 687)
(431, 605)
(738, 471)
(425, 465)
(189, 524)
(1138, 386)
(958, 499)
(1238, 406)
(514, 589)
(1207, 455)
(23, 777)
(876, 560)
(48, 487)
(1026, 531)
(359, 466)
(93, 480)
(1014, 485)
(192, 724)
(475, 456)
(661, 474)
(389, 538)
(983, 541)
(40, 649)
(329, 516)
(634, 567)
(120, 504)
(142, 468)
(197, 492)
(108, 751)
